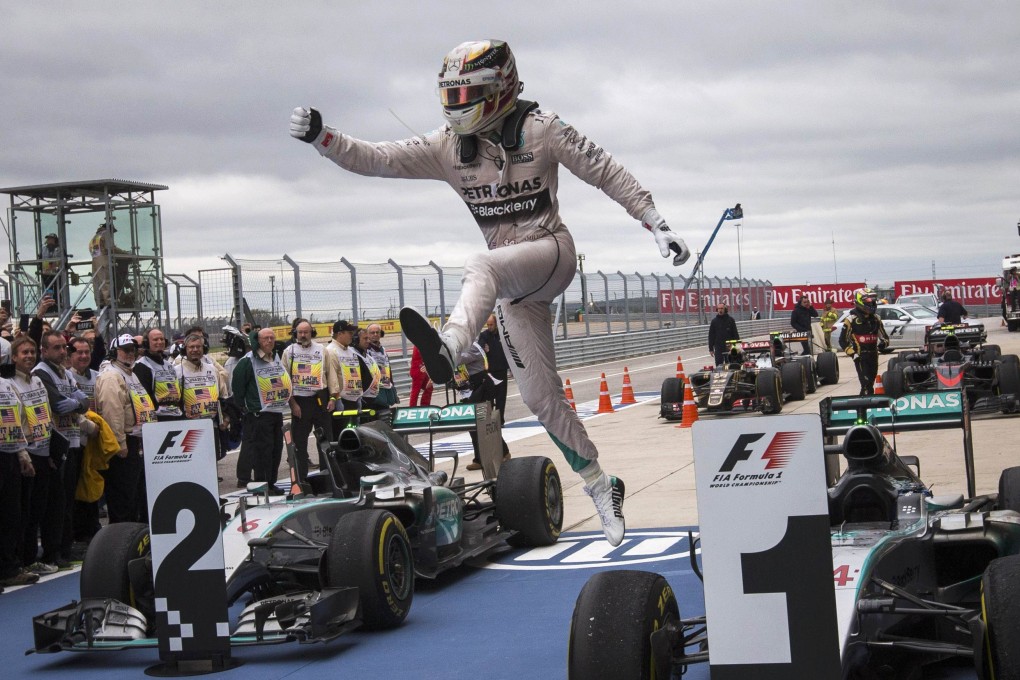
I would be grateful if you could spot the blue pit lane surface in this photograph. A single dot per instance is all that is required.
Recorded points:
(507, 616)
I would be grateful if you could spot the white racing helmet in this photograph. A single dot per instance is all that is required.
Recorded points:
(478, 85)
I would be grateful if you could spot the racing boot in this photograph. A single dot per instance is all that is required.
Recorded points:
(607, 494)
(435, 353)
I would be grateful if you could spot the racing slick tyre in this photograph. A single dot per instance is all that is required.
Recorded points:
(894, 382)
(1012, 325)
(794, 379)
(672, 393)
(769, 391)
(1000, 611)
(105, 572)
(1009, 489)
(672, 390)
(828, 368)
(369, 550)
(1007, 375)
(614, 616)
(529, 500)
(811, 373)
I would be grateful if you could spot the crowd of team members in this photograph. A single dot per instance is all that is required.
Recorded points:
(311, 381)
(71, 413)
(72, 410)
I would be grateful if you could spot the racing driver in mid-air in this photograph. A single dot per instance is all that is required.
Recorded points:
(863, 336)
(501, 154)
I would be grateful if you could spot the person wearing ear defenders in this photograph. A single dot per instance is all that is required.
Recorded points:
(311, 403)
(158, 376)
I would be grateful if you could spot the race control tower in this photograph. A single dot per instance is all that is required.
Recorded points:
(94, 246)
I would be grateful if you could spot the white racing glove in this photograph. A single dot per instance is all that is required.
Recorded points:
(664, 238)
(305, 124)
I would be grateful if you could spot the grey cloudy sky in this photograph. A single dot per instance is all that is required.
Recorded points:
(888, 128)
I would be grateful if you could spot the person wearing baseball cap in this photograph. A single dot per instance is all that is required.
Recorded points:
(346, 367)
(125, 406)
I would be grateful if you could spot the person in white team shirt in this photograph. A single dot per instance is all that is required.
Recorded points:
(502, 155)
(311, 404)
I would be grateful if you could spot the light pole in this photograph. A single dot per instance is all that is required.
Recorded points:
(272, 298)
(584, 291)
(835, 276)
(740, 267)
(425, 292)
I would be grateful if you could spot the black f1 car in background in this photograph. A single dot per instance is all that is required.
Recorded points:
(919, 579)
(822, 369)
(756, 375)
(740, 384)
(314, 565)
(955, 357)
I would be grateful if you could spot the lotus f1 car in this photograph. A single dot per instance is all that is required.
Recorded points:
(313, 566)
(760, 375)
(955, 357)
(919, 579)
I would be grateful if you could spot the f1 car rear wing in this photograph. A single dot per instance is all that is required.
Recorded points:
(791, 336)
(911, 412)
(754, 345)
(479, 418)
(424, 419)
(973, 333)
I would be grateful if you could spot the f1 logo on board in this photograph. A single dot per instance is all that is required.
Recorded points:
(764, 469)
(178, 446)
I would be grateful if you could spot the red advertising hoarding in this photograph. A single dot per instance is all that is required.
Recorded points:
(692, 300)
(972, 291)
(784, 298)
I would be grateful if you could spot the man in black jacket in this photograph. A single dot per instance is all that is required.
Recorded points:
(951, 311)
(800, 319)
(722, 328)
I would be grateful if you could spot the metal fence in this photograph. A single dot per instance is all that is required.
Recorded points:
(273, 292)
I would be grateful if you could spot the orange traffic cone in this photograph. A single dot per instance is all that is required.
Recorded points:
(569, 394)
(879, 388)
(605, 403)
(680, 368)
(690, 411)
(627, 397)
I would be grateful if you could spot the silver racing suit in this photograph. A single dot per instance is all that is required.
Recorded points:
(531, 258)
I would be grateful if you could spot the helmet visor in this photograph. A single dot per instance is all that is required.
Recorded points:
(457, 90)
(462, 96)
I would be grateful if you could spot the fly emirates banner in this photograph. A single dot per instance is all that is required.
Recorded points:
(974, 291)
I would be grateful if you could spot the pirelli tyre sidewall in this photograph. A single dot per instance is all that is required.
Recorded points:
(810, 374)
(828, 368)
(614, 615)
(769, 391)
(1007, 376)
(369, 550)
(529, 500)
(793, 379)
(1000, 612)
(105, 570)
(1009, 489)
